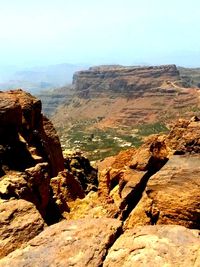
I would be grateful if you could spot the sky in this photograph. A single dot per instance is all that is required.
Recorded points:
(128, 32)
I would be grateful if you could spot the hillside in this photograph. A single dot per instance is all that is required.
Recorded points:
(114, 107)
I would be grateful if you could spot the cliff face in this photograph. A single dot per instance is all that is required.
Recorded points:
(120, 80)
(27, 137)
(30, 157)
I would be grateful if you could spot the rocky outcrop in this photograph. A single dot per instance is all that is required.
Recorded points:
(130, 216)
(19, 222)
(73, 243)
(27, 138)
(171, 195)
(82, 170)
(165, 245)
(30, 154)
(122, 80)
(101, 242)
(150, 185)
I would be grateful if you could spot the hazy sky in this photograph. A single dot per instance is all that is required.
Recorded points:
(40, 32)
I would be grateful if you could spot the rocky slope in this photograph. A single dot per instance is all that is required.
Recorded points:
(31, 171)
(143, 210)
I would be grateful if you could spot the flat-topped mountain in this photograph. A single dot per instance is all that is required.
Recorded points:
(122, 80)
(110, 101)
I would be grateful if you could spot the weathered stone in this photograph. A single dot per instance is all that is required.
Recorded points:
(65, 189)
(10, 111)
(172, 195)
(38, 181)
(68, 243)
(155, 246)
(184, 136)
(82, 170)
(19, 222)
(30, 151)
(52, 148)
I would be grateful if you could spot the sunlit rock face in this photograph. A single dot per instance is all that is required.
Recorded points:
(122, 80)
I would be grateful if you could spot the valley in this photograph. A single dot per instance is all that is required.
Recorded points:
(109, 108)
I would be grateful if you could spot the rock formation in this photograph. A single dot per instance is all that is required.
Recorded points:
(165, 245)
(30, 156)
(143, 211)
(122, 80)
(19, 222)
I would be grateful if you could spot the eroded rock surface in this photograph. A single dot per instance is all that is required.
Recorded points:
(146, 190)
(20, 221)
(30, 156)
(69, 243)
(155, 246)
(171, 195)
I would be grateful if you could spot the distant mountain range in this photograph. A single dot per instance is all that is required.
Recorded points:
(36, 79)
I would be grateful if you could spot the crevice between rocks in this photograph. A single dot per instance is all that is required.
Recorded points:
(112, 239)
(135, 195)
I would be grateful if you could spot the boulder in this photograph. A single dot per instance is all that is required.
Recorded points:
(68, 243)
(155, 246)
(19, 222)
(171, 195)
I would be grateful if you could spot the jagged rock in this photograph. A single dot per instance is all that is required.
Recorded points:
(82, 170)
(151, 156)
(184, 136)
(92, 206)
(30, 153)
(131, 174)
(51, 144)
(65, 190)
(68, 243)
(155, 246)
(171, 195)
(38, 181)
(19, 222)
(25, 130)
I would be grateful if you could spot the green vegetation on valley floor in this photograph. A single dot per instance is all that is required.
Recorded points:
(100, 143)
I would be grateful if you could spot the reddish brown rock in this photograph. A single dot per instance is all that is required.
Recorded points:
(68, 243)
(30, 152)
(52, 148)
(26, 136)
(11, 112)
(19, 222)
(155, 246)
(172, 195)
(65, 190)
(131, 174)
(184, 136)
